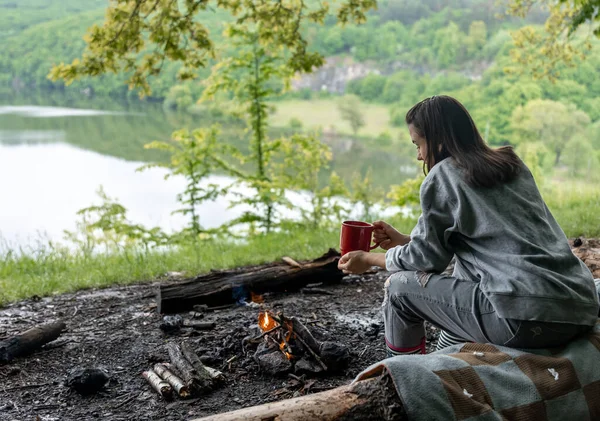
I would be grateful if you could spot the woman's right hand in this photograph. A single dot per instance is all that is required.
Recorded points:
(388, 236)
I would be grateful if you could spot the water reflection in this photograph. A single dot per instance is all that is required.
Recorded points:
(54, 155)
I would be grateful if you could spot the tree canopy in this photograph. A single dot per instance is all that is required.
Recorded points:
(138, 36)
(561, 41)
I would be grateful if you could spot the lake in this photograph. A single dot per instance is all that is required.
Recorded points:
(56, 151)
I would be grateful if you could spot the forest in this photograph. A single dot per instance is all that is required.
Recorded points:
(407, 51)
(416, 49)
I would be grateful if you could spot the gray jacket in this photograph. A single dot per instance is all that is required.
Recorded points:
(506, 239)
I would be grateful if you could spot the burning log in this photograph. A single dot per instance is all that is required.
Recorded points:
(289, 333)
(220, 288)
(196, 381)
(305, 336)
(177, 384)
(29, 340)
(368, 400)
(163, 388)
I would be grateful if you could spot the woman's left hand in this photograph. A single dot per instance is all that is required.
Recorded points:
(356, 262)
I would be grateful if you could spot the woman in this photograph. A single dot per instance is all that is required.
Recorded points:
(515, 281)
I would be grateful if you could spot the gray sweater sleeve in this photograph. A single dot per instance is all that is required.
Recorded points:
(428, 249)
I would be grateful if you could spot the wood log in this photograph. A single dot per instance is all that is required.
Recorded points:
(368, 400)
(197, 383)
(204, 376)
(177, 384)
(199, 325)
(162, 388)
(226, 287)
(307, 337)
(29, 340)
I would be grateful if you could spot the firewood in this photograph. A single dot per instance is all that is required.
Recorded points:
(291, 262)
(313, 353)
(197, 382)
(225, 287)
(177, 384)
(216, 375)
(316, 291)
(204, 375)
(29, 340)
(302, 331)
(368, 400)
(198, 325)
(163, 388)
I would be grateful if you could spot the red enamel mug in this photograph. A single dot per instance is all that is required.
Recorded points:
(356, 235)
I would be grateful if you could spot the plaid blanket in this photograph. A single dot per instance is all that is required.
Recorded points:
(482, 382)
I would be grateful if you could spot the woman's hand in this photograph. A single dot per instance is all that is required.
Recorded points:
(358, 262)
(387, 236)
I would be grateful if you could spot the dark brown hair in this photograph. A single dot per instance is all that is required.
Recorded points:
(450, 131)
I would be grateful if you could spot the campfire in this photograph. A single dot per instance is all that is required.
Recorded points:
(286, 344)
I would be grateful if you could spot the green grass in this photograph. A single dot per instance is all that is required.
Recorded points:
(576, 207)
(324, 113)
(48, 271)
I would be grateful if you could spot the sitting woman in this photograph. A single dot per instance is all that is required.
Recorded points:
(515, 281)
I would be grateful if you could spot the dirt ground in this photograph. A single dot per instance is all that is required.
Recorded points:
(117, 329)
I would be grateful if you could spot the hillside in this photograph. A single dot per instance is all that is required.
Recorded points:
(427, 36)
(406, 51)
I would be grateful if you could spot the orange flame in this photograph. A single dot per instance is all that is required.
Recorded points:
(282, 348)
(256, 298)
(265, 322)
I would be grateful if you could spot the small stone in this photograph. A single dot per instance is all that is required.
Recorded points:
(171, 324)
(87, 380)
(307, 366)
(264, 348)
(334, 355)
(274, 363)
(578, 242)
(196, 315)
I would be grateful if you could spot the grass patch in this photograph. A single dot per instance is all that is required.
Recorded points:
(49, 272)
(576, 207)
(324, 113)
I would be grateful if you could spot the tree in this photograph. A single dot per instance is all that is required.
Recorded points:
(542, 52)
(477, 37)
(368, 88)
(581, 158)
(139, 36)
(550, 122)
(447, 45)
(350, 110)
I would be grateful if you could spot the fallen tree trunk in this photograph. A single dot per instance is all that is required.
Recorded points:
(368, 400)
(29, 340)
(218, 288)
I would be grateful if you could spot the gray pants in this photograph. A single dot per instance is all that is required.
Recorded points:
(460, 308)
